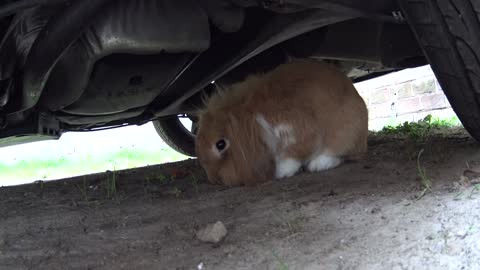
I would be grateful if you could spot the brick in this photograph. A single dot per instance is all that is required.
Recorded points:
(380, 95)
(424, 86)
(434, 101)
(409, 105)
(377, 124)
(362, 90)
(365, 99)
(413, 74)
(405, 118)
(404, 90)
(421, 115)
(447, 103)
(383, 110)
(371, 113)
(438, 86)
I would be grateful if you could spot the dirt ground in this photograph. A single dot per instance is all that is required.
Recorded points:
(365, 215)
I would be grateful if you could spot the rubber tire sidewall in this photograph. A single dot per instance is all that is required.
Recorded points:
(444, 37)
(175, 135)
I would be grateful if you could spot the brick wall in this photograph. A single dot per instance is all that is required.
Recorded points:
(408, 95)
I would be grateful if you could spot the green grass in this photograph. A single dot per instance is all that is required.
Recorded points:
(54, 168)
(425, 181)
(420, 129)
(83, 189)
(281, 263)
(111, 185)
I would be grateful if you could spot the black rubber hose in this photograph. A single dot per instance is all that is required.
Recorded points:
(60, 32)
(11, 8)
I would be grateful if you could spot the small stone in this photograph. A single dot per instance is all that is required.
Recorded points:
(453, 249)
(212, 233)
(461, 234)
(406, 202)
(437, 247)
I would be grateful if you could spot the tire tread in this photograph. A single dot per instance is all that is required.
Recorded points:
(449, 33)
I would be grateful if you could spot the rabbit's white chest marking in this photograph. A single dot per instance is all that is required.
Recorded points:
(323, 162)
(278, 137)
(284, 133)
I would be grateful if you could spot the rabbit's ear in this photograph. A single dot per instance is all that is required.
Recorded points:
(251, 157)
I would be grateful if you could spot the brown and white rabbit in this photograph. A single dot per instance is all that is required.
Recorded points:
(303, 113)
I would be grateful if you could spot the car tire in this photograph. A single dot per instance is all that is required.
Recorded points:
(449, 34)
(176, 135)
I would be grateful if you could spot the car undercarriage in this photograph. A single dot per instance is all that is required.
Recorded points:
(95, 64)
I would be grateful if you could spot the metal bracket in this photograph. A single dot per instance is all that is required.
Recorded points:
(39, 127)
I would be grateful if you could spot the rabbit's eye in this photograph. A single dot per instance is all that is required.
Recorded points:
(221, 145)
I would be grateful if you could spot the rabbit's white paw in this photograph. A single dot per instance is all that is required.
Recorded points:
(287, 167)
(323, 162)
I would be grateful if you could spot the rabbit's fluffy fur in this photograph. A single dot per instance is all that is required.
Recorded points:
(303, 113)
